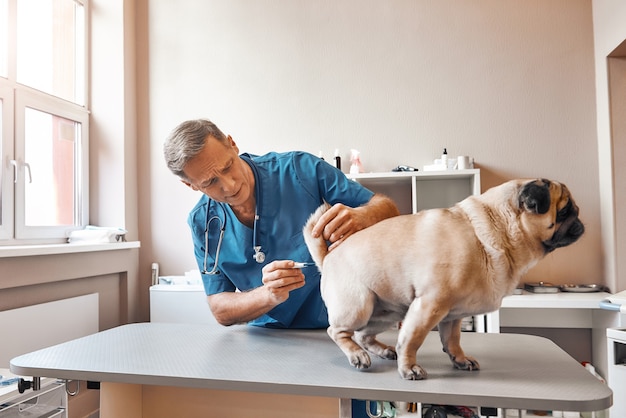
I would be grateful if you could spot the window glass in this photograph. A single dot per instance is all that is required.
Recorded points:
(50, 152)
(50, 52)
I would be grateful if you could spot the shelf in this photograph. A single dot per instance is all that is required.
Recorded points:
(414, 191)
(555, 300)
(547, 310)
(426, 175)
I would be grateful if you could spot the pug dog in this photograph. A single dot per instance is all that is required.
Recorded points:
(432, 269)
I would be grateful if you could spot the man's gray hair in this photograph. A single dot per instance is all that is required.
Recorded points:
(186, 141)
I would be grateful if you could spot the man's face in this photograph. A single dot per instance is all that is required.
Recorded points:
(218, 172)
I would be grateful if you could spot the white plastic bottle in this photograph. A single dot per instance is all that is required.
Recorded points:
(444, 158)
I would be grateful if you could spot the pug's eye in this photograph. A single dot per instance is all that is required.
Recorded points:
(564, 213)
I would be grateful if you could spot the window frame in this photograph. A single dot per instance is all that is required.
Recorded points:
(16, 98)
(28, 98)
(7, 186)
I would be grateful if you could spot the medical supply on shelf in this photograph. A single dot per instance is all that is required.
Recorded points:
(404, 168)
(355, 162)
(337, 159)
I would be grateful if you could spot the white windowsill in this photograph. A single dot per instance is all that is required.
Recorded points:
(51, 249)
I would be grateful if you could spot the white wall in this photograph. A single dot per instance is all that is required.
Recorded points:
(509, 83)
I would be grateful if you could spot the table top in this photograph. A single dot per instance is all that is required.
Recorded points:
(517, 371)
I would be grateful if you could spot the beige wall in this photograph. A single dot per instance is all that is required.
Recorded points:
(113, 131)
(510, 83)
(112, 274)
(609, 34)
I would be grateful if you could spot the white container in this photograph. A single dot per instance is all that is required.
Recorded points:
(180, 303)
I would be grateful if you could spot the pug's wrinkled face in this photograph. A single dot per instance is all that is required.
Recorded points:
(550, 213)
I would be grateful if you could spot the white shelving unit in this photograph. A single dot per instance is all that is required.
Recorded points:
(416, 190)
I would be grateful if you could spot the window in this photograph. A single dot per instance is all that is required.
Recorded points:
(44, 120)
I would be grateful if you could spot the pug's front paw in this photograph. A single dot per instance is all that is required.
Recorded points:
(360, 359)
(468, 363)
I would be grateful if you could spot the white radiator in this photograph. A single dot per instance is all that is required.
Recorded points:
(38, 326)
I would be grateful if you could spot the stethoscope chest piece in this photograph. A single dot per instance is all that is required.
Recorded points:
(259, 256)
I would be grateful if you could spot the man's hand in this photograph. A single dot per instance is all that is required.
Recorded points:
(281, 277)
(341, 221)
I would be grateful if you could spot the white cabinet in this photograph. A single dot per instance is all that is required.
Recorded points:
(616, 345)
(415, 190)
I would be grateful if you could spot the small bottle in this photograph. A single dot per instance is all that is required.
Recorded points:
(155, 273)
(320, 155)
(444, 158)
(355, 160)
(337, 159)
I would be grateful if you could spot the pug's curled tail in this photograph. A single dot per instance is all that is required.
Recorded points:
(317, 246)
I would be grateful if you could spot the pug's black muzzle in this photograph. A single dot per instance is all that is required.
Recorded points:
(567, 234)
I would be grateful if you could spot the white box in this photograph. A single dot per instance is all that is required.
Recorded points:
(180, 303)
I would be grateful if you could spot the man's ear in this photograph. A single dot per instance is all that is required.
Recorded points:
(186, 183)
(232, 144)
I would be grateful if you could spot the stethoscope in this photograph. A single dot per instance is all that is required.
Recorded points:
(259, 255)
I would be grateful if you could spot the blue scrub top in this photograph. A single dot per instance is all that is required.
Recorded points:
(289, 187)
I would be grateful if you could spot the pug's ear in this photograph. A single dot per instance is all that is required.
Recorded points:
(535, 196)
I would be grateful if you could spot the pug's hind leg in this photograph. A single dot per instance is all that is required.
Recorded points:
(368, 341)
(450, 334)
(356, 355)
(347, 312)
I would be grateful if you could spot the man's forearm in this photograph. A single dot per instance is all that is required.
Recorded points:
(230, 308)
(380, 207)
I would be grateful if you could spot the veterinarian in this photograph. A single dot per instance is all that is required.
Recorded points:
(247, 226)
